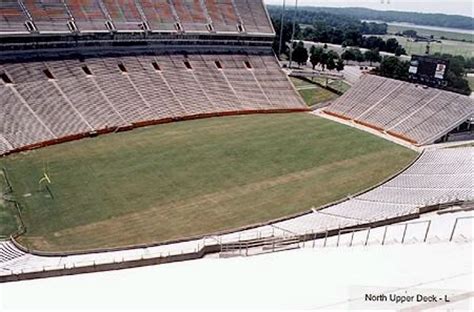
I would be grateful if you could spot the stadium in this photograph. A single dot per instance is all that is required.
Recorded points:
(154, 131)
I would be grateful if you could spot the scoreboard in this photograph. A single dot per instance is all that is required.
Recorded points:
(428, 70)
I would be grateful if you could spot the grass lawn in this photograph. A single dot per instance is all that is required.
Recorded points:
(465, 49)
(392, 29)
(192, 178)
(317, 95)
(8, 220)
(312, 93)
(471, 82)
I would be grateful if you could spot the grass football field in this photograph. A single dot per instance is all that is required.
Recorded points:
(183, 179)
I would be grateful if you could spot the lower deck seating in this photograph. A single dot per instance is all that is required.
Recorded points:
(419, 114)
(437, 177)
(9, 252)
(53, 99)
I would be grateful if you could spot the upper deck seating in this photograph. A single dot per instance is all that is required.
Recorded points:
(12, 17)
(159, 15)
(50, 15)
(192, 15)
(88, 15)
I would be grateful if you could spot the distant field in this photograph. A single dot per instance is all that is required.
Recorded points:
(465, 49)
(191, 178)
(392, 29)
(471, 82)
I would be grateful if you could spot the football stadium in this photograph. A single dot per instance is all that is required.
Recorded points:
(135, 133)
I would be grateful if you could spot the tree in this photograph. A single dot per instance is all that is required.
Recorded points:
(400, 51)
(359, 57)
(393, 67)
(316, 56)
(287, 30)
(300, 53)
(348, 55)
(391, 45)
(340, 65)
(372, 56)
(410, 33)
(328, 59)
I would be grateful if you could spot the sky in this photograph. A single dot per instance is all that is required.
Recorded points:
(460, 7)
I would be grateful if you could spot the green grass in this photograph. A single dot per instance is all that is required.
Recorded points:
(192, 178)
(317, 95)
(8, 219)
(392, 29)
(465, 49)
(470, 80)
(314, 94)
(297, 82)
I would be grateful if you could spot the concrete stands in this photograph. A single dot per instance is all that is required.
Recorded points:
(177, 16)
(60, 99)
(437, 177)
(12, 18)
(9, 252)
(414, 113)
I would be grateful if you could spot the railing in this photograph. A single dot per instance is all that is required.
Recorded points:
(256, 243)
(456, 224)
(259, 246)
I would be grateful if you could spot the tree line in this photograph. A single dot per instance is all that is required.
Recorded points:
(331, 28)
(429, 19)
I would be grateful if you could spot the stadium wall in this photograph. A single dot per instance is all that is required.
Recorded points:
(146, 124)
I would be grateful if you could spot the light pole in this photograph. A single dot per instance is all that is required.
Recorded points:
(282, 20)
(293, 33)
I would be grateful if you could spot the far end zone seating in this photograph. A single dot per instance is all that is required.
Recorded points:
(191, 15)
(159, 14)
(51, 100)
(130, 15)
(124, 14)
(49, 15)
(88, 15)
(12, 18)
(415, 113)
(223, 15)
(254, 16)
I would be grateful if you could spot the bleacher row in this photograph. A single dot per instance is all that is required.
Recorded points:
(412, 112)
(437, 177)
(44, 101)
(226, 16)
(8, 252)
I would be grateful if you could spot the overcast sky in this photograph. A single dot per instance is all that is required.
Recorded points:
(461, 7)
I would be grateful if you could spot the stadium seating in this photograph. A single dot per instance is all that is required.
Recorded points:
(159, 15)
(204, 16)
(9, 252)
(415, 113)
(124, 14)
(88, 15)
(12, 18)
(223, 15)
(55, 99)
(191, 15)
(48, 16)
(438, 176)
